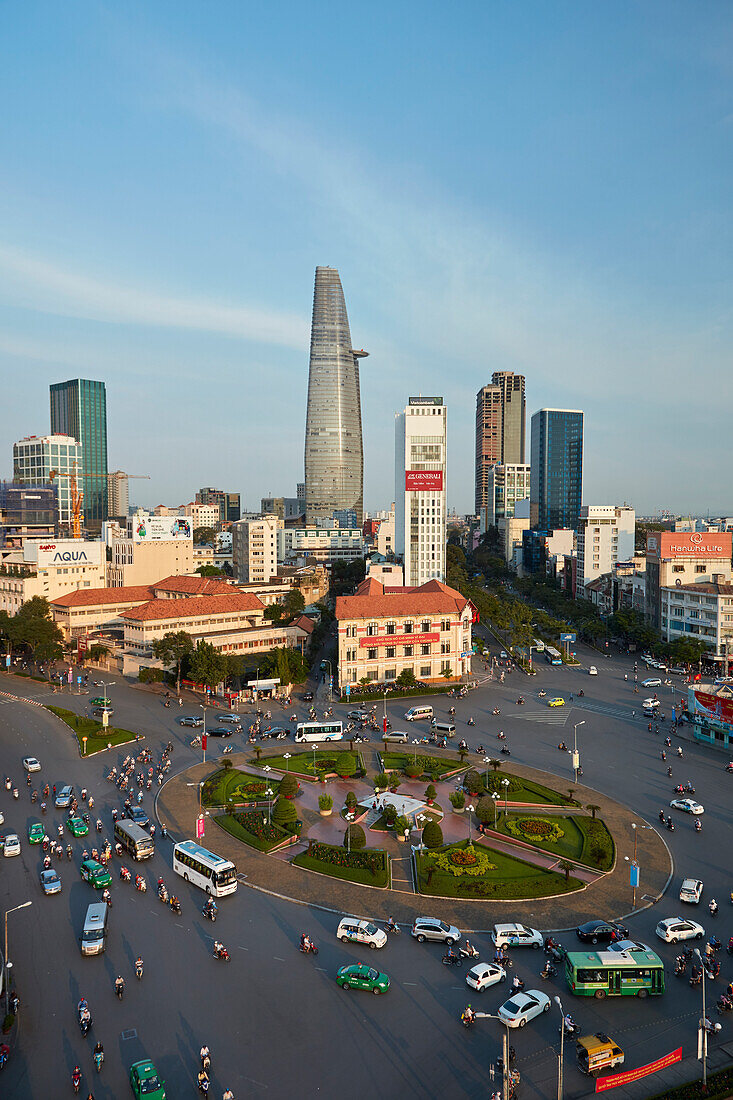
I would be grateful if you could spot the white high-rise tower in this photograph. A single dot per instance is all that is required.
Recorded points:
(420, 489)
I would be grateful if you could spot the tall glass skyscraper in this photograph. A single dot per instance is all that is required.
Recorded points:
(79, 409)
(334, 460)
(556, 468)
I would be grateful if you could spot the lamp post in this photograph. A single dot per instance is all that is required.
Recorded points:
(702, 1032)
(505, 785)
(105, 686)
(314, 760)
(505, 1051)
(495, 800)
(469, 811)
(487, 760)
(634, 872)
(330, 678)
(561, 1061)
(269, 792)
(203, 735)
(199, 785)
(576, 758)
(8, 965)
(286, 757)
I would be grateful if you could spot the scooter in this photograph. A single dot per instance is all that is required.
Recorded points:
(468, 1016)
(548, 971)
(451, 959)
(175, 905)
(210, 913)
(139, 971)
(140, 884)
(571, 1029)
(308, 948)
(469, 951)
(506, 750)
(76, 1079)
(221, 953)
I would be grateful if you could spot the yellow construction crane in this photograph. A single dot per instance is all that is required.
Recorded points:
(77, 495)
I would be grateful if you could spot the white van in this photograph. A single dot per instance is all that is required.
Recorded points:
(443, 729)
(414, 714)
(396, 735)
(94, 934)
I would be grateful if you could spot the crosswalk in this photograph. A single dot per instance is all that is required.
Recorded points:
(549, 716)
(609, 710)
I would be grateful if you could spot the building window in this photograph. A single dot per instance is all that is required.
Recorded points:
(390, 651)
(445, 625)
(678, 568)
(390, 628)
(372, 630)
(425, 670)
(371, 654)
(426, 626)
(408, 651)
(389, 674)
(445, 647)
(408, 628)
(700, 568)
(425, 649)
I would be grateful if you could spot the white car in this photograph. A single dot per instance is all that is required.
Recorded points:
(31, 764)
(483, 975)
(652, 682)
(503, 656)
(361, 931)
(11, 847)
(687, 805)
(516, 935)
(522, 1007)
(634, 947)
(674, 929)
(691, 890)
(592, 671)
(650, 705)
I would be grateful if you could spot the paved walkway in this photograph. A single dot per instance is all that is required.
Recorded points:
(608, 896)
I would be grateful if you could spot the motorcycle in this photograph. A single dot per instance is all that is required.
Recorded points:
(581, 693)
(392, 927)
(520, 701)
(221, 953)
(506, 750)
(120, 988)
(85, 1019)
(98, 1059)
(469, 951)
(548, 971)
(468, 1016)
(4, 1055)
(680, 966)
(496, 711)
(724, 1004)
(175, 905)
(541, 694)
(139, 971)
(140, 884)
(451, 959)
(570, 1028)
(209, 912)
(308, 947)
(76, 1079)
(713, 908)
(517, 985)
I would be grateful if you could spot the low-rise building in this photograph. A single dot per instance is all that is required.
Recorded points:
(703, 611)
(149, 547)
(203, 515)
(675, 559)
(254, 549)
(385, 631)
(606, 535)
(49, 569)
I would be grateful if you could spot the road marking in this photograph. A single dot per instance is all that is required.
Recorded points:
(131, 1033)
(242, 948)
(278, 958)
(321, 968)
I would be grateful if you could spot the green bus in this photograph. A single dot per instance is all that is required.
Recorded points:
(614, 973)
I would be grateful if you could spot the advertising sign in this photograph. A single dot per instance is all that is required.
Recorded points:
(567, 637)
(689, 544)
(423, 481)
(398, 639)
(426, 401)
(616, 1079)
(199, 826)
(161, 528)
(64, 552)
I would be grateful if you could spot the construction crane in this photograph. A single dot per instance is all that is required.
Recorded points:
(77, 495)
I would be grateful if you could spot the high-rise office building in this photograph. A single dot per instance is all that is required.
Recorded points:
(507, 483)
(228, 503)
(118, 495)
(556, 468)
(500, 428)
(334, 461)
(42, 460)
(420, 489)
(79, 409)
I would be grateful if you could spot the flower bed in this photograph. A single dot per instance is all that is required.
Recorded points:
(500, 877)
(535, 829)
(464, 861)
(253, 828)
(370, 867)
(301, 763)
(230, 785)
(433, 767)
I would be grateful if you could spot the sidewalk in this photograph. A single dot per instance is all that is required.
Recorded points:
(608, 896)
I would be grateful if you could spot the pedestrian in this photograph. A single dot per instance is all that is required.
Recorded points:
(54, 791)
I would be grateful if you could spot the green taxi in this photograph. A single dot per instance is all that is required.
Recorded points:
(100, 701)
(361, 976)
(95, 874)
(77, 826)
(145, 1082)
(36, 832)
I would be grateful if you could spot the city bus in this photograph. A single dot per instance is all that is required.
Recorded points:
(319, 731)
(134, 839)
(214, 874)
(539, 645)
(552, 655)
(614, 973)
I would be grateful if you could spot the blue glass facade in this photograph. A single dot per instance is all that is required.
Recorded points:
(79, 409)
(556, 468)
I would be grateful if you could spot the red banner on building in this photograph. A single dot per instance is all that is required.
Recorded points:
(605, 1083)
(397, 639)
(423, 480)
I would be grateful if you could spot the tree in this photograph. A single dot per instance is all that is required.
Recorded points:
(406, 678)
(97, 652)
(432, 834)
(284, 813)
(593, 809)
(345, 765)
(289, 785)
(566, 866)
(473, 782)
(172, 649)
(430, 792)
(286, 664)
(293, 603)
(203, 535)
(354, 837)
(447, 672)
(495, 764)
(207, 665)
(273, 613)
(485, 809)
(210, 571)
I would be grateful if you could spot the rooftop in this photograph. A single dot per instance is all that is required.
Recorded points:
(709, 588)
(93, 597)
(377, 600)
(194, 607)
(193, 586)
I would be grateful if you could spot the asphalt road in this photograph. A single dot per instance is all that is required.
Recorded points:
(274, 1019)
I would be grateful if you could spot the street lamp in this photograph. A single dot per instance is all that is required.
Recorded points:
(314, 760)
(469, 811)
(505, 785)
(634, 873)
(203, 735)
(495, 799)
(8, 965)
(269, 792)
(505, 1051)
(561, 1062)
(286, 757)
(330, 678)
(487, 761)
(576, 759)
(105, 686)
(199, 785)
(702, 1031)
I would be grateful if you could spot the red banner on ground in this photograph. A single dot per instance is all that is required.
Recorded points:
(605, 1083)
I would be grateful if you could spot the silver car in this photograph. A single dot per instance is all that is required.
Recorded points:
(430, 928)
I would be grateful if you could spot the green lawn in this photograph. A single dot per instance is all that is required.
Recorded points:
(348, 866)
(521, 790)
(231, 785)
(302, 762)
(599, 849)
(570, 845)
(435, 766)
(511, 878)
(239, 826)
(97, 736)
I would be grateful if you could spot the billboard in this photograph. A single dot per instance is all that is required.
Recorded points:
(397, 639)
(423, 481)
(161, 528)
(64, 552)
(567, 637)
(689, 544)
(426, 401)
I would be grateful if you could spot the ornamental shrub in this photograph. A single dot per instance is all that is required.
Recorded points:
(402, 825)
(457, 799)
(369, 860)
(413, 771)
(432, 834)
(354, 838)
(289, 785)
(284, 813)
(430, 791)
(381, 781)
(535, 829)
(495, 784)
(390, 814)
(325, 802)
(485, 810)
(473, 782)
(345, 764)
(351, 802)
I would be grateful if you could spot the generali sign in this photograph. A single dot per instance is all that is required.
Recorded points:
(398, 639)
(423, 481)
(690, 544)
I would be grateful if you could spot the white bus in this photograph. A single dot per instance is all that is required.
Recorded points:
(214, 874)
(552, 655)
(539, 645)
(319, 731)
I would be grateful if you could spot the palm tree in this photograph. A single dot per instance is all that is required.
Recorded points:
(571, 792)
(566, 866)
(593, 809)
(463, 753)
(496, 764)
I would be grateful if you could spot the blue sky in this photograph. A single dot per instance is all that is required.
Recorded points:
(536, 187)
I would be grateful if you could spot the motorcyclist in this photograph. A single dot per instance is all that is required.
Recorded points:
(98, 1054)
(547, 970)
(517, 984)
(210, 907)
(139, 966)
(119, 985)
(391, 924)
(219, 949)
(205, 1056)
(568, 1023)
(698, 826)
(713, 907)
(468, 1015)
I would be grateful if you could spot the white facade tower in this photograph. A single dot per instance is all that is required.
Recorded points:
(420, 489)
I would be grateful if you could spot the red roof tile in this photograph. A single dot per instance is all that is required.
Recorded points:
(194, 607)
(373, 600)
(91, 597)
(305, 623)
(193, 586)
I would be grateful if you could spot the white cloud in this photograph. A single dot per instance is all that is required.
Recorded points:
(41, 284)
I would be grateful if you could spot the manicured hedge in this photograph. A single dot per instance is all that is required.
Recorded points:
(252, 828)
(369, 867)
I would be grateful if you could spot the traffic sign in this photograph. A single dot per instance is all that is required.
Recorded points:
(634, 874)
(78, 679)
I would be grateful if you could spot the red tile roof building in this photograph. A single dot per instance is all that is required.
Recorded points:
(385, 631)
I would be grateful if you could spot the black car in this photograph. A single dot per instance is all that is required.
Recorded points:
(220, 731)
(277, 733)
(601, 931)
(138, 815)
(308, 697)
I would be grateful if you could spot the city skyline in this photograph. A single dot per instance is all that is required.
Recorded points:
(559, 256)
